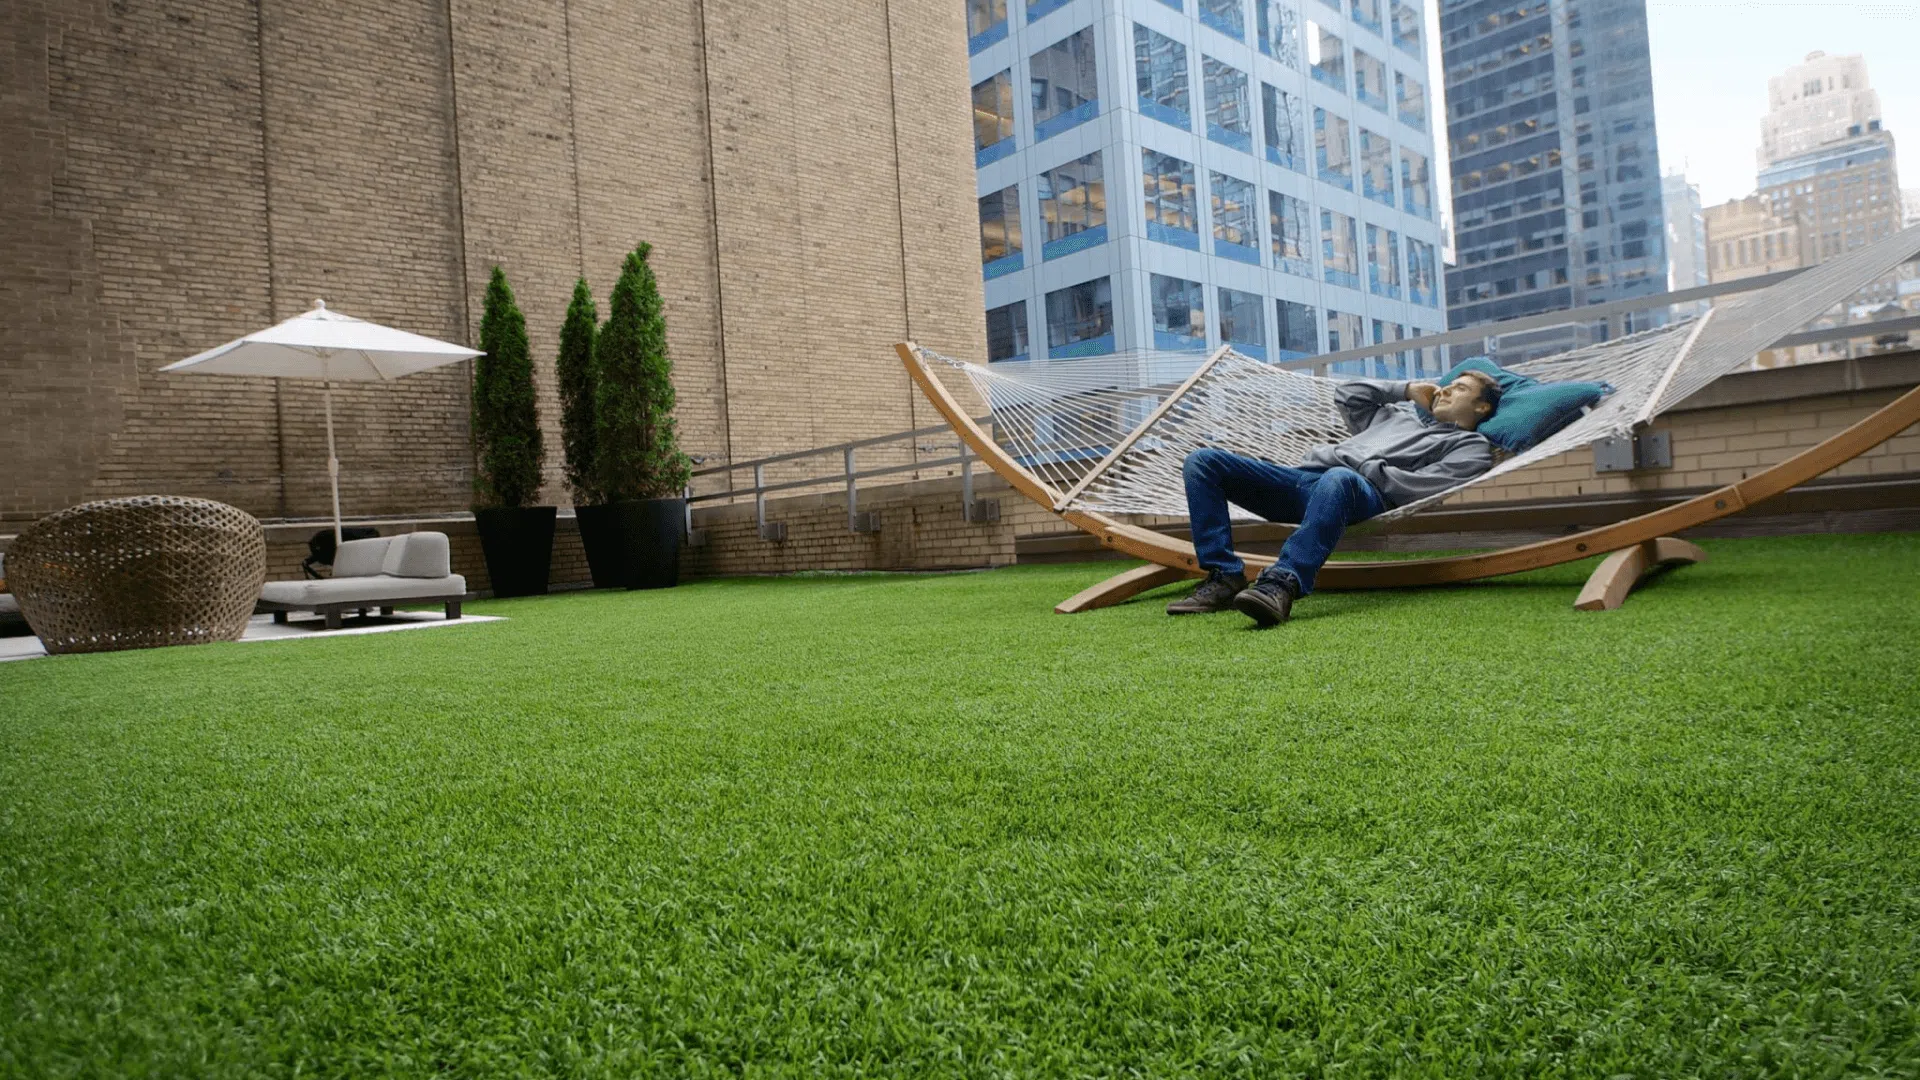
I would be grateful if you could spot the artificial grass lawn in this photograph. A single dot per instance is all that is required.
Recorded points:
(922, 826)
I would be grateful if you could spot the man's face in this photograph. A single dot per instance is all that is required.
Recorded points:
(1459, 402)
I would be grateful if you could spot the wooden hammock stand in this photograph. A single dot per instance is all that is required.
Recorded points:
(1637, 545)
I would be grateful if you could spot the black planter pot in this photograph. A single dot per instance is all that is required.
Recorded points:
(633, 545)
(599, 535)
(518, 542)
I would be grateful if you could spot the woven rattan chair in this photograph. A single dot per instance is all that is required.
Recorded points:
(138, 573)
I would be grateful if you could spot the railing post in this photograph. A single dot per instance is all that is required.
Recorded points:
(760, 497)
(966, 481)
(853, 497)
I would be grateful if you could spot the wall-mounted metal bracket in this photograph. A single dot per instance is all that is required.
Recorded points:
(1647, 450)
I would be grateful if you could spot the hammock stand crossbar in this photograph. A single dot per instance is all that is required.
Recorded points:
(1636, 546)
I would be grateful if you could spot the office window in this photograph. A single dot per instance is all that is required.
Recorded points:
(1279, 27)
(1225, 16)
(1160, 72)
(986, 23)
(1339, 249)
(1298, 329)
(1369, 80)
(1410, 101)
(1007, 332)
(1000, 251)
(1073, 206)
(1376, 167)
(1242, 324)
(1383, 262)
(1080, 319)
(1172, 209)
(1326, 56)
(1394, 365)
(1416, 184)
(1236, 229)
(1332, 148)
(1039, 9)
(1406, 27)
(1367, 13)
(993, 119)
(1229, 109)
(1065, 85)
(1345, 330)
(1423, 275)
(1179, 313)
(1284, 127)
(1287, 223)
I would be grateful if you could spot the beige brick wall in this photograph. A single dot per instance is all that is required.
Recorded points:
(188, 172)
(1712, 447)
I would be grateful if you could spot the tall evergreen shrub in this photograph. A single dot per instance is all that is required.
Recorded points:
(575, 370)
(637, 452)
(506, 422)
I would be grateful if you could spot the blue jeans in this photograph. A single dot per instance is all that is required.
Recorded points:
(1323, 501)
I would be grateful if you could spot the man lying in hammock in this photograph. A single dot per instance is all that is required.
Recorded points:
(1410, 440)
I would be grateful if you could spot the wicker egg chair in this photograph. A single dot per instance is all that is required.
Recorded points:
(138, 573)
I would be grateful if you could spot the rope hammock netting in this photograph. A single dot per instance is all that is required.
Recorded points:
(1110, 433)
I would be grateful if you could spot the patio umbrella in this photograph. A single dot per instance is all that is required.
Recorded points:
(331, 347)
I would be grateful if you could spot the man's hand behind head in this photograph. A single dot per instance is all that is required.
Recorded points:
(1421, 394)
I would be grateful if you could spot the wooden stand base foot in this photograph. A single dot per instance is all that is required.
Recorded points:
(1619, 572)
(1121, 587)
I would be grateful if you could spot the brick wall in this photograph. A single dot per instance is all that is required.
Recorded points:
(186, 173)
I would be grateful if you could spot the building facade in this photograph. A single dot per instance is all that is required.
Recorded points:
(1171, 175)
(1843, 195)
(1686, 232)
(183, 174)
(1555, 166)
(1744, 239)
(1816, 102)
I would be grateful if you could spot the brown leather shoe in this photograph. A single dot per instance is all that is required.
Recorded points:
(1214, 594)
(1267, 601)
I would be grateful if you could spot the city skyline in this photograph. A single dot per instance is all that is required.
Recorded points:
(1711, 63)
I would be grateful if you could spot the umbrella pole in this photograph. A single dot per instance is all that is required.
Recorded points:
(333, 465)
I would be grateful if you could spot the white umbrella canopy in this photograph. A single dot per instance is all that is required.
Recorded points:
(328, 346)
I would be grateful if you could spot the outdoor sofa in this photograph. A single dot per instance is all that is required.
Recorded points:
(412, 568)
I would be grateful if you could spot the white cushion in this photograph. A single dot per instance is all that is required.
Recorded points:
(418, 555)
(369, 589)
(358, 558)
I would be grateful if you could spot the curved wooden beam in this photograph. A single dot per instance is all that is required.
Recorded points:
(1619, 572)
(1175, 554)
(1120, 588)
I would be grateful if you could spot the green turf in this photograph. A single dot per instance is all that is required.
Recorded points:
(918, 826)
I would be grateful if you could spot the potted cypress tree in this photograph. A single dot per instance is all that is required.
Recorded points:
(575, 370)
(638, 466)
(516, 536)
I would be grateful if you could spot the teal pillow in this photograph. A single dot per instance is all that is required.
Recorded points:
(1530, 410)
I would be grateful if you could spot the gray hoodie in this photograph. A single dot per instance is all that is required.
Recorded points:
(1400, 448)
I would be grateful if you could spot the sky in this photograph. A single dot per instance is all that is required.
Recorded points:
(1712, 59)
(1711, 63)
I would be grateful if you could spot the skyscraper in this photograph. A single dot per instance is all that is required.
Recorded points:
(1556, 174)
(1686, 232)
(1843, 194)
(1175, 174)
(1818, 101)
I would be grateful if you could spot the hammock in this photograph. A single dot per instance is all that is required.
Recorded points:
(1109, 434)
(1091, 437)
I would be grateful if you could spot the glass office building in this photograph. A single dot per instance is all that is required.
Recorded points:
(1178, 174)
(1556, 175)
